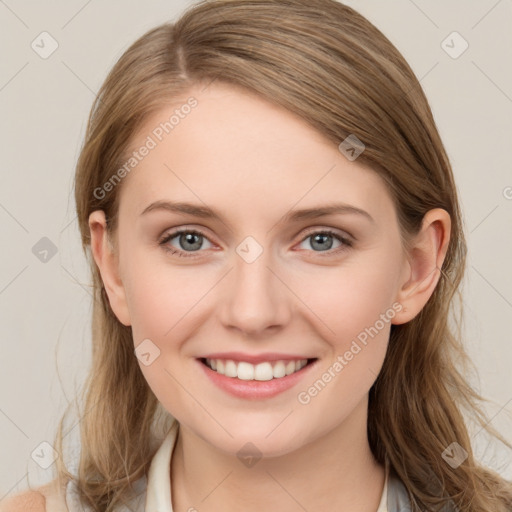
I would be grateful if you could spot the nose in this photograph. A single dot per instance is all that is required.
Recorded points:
(257, 300)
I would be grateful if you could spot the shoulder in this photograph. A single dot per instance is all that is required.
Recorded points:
(29, 501)
(40, 499)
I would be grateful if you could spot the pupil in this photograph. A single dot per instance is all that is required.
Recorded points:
(189, 238)
(321, 238)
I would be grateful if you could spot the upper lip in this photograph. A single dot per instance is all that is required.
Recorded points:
(255, 359)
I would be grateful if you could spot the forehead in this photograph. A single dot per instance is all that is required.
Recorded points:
(236, 151)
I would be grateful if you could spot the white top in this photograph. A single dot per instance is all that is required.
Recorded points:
(156, 495)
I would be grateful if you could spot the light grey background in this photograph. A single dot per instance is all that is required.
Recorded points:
(45, 307)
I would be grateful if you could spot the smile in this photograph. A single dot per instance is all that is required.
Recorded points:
(259, 380)
(263, 371)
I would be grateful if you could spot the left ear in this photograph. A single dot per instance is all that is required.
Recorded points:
(422, 269)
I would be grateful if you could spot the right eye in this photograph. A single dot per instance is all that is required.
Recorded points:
(187, 239)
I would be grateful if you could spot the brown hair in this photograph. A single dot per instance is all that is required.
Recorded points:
(329, 65)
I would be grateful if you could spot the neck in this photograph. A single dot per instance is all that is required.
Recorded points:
(337, 471)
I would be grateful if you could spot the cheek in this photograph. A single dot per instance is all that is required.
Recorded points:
(355, 308)
(161, 301)
(351, 298)
(159, 295)
(355, 302)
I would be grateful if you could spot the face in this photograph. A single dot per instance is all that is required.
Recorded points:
(263, 279)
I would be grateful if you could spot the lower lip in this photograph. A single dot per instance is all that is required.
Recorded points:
(255, 389)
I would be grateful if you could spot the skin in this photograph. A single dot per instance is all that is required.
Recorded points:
(253, 162)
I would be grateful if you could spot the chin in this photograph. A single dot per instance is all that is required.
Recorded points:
(262, 439)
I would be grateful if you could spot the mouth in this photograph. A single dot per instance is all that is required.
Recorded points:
(263, 371)
(255, 376)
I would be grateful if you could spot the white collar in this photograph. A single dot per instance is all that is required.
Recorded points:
(158, 491)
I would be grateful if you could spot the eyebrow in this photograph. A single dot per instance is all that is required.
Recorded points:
(292, 216)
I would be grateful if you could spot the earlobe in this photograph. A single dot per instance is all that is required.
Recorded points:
(424, 262)
(107, 261)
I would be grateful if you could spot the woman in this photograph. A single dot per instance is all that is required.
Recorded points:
(247, 369)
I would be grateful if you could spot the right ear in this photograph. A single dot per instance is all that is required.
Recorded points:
(108, 264)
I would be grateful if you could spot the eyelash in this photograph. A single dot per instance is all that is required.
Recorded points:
(347, 243)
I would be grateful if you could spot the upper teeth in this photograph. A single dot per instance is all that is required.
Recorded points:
(261, 371)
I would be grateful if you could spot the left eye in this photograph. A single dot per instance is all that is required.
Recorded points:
(323, 240)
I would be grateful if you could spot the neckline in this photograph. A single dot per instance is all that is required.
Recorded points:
(158, 492)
